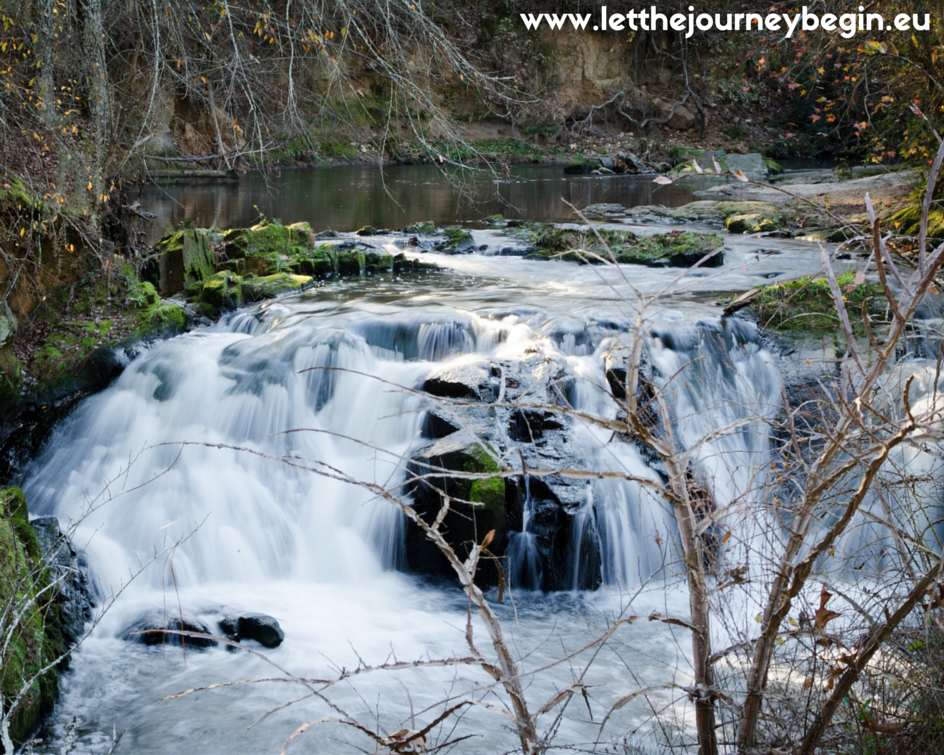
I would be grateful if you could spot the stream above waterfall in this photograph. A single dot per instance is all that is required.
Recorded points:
(190, 441)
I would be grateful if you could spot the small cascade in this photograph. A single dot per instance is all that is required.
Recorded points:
(716, 376)
(722, 387)
(522, 554)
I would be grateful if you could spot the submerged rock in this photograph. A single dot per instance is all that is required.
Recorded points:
(152, 630)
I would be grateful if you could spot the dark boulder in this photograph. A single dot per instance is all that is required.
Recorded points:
(260, 627)
(157, 629)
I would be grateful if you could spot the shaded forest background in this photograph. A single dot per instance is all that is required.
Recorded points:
(99, 96)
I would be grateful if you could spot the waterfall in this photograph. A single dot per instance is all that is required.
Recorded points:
(192, 439)
(721, 387)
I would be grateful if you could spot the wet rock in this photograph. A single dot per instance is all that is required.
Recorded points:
(427, 228)
(438, 424)
(151, 630)
(481, 432)
(74, 595)
(634, 163)
(260, 627)
(458, 241)
(529, 425)
(460, 382)
(604, 211)
(477, 506)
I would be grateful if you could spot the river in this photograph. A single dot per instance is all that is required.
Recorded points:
(326, 558)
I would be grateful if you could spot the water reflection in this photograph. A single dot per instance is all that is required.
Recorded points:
(350, 197)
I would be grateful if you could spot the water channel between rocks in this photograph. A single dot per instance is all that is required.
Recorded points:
(327, 558)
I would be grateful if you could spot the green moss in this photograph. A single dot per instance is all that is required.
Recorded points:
(197, 247)
(221, 290)
(908, 222)
(16, 193)
(35, 638)
(806, 305)
(269, 238)
(273, 285)
(490, 492)
(426, 228)
(674, 249)
(751, 223)
(458, 241)
(494, 220)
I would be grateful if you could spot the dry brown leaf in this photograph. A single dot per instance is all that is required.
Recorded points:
(824, 615)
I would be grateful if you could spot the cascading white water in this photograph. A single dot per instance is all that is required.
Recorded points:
(722, 388)
(189, 441)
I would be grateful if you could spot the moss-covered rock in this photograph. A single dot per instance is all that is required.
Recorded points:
(426, 228)
(673, 249)
(805, 306)
(352, 262)
(752, 223)
(223, 289)
(27, 616)
(268, 238)
(477, 506)
(273, 285)
(908, 222)
(186, 256)
(458, 241)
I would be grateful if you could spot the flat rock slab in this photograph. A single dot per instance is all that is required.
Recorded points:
(887, 187)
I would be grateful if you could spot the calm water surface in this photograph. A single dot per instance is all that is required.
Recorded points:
(350, 197)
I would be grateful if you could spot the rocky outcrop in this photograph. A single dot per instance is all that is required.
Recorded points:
(69, 570)
(457, 241)
(673, 249)
(465, 436)
(45, 604)
(28, 619)
(225, 269)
